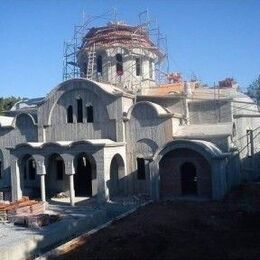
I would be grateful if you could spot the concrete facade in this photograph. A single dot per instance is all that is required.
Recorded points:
(97, 139)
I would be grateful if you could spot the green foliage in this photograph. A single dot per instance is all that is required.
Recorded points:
(7, 103)
(254, 90)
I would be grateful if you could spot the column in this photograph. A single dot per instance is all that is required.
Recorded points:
(43, 191)
(70, 171)
(41, 170)
(103, 160)
(72, 190)
(15, 178)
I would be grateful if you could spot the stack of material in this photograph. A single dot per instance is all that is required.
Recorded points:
(5, 194)
(21, 208)
(3, 215)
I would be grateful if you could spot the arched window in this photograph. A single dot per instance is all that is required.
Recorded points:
(150, 69)
(90, 114)
(69, 114)
(119, 64)
(80, 110)
(138, 67)
(99, 64)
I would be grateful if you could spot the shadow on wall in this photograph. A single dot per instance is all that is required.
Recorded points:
(27, 127)
(250, 166)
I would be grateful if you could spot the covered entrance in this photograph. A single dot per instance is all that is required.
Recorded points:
(188, 179)
(183, 172)
(85, 174)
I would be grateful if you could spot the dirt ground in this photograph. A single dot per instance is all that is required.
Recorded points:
(181, 230)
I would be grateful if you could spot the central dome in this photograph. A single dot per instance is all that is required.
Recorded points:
(118, 34)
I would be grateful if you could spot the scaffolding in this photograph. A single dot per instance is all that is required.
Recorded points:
(90, 34)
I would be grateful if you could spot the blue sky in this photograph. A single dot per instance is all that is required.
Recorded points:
(212, 39)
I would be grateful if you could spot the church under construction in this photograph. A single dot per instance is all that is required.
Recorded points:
(119, 125)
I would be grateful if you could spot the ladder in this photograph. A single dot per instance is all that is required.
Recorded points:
(91, 61)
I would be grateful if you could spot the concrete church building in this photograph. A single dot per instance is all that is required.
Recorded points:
(114, 131)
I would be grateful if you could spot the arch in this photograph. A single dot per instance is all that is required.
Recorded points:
(85, 178)
(56, 179)
(203, 150)
(29, 180)
(27, 116)
(27, 126)
(70, 114)
(99, 64)
(157, 109)
(119, 64)
(117, 176)
(206, 149)
(101, 90)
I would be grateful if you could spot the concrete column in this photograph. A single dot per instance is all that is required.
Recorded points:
(70, 171)
(72, 190)
(103, 174)
(43, 192)
(41, 170)
(15, 178)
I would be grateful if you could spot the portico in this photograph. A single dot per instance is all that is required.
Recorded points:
(74, 168)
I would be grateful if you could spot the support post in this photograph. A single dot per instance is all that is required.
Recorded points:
(43, 192)
(15, 179)
(72, 191)
(70, 171)
(41, 170)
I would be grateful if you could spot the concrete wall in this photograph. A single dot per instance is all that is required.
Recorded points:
(145, 132)
(249, 164)
(104, 125)
(209, 111)
(128, 79)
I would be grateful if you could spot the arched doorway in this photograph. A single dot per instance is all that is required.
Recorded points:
(29, 180)
(85, 176)
(56, 179)
(116, 182)
(188, 179)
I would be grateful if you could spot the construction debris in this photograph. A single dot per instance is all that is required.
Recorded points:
(23, 208)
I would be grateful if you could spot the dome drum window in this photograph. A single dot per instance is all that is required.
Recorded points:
(119, 65)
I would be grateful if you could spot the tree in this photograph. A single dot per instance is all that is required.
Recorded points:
(254, 90)
(7, 103)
